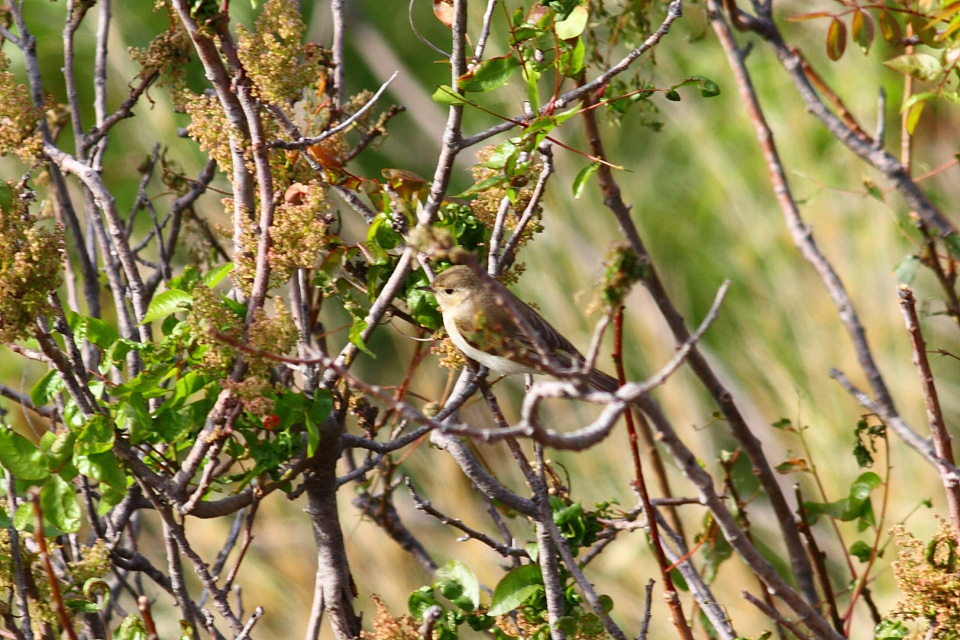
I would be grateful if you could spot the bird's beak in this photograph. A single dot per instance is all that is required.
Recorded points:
(426, 288)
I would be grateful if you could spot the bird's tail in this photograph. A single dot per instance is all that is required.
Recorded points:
(602, 382)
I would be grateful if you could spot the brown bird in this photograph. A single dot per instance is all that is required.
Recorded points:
(480, 316)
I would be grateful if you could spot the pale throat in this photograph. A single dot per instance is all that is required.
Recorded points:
(497, 364)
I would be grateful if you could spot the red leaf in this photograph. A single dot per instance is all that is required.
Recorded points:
(836, 39)
(863, 30)
(443, 9)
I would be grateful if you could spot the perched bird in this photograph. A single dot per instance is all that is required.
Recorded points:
(480, 316)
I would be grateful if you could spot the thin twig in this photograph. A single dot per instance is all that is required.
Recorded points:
(426, 507)
(56, 595)
(343, 126)
(774, 615)
(941, 437)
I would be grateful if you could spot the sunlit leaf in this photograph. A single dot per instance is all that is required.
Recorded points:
(921, 66)
(574, 25)
(489, 75)
(913, 117)
(212, 278)
(458, 584)
(165, 303)
(445, 94)
(580, 182)
(515, 588)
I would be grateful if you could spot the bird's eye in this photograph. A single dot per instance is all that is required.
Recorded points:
(449, 292)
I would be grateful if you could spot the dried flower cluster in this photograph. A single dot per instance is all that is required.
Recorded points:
(298, 233)
(276, 335)
(927, 575)
(18, 117)
(450, 356)
(274, 57)
(209, 314)
(95, 563)
(524, 628)
(30, 263)
(487, 202)
(167, 54)
(388, 627)
(209, 127)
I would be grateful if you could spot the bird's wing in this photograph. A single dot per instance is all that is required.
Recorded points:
(497, 331)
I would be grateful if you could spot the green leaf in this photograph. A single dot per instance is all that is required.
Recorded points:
(131, 629)
(82, 606)
(238, 308)
(101, 334)
(501, 154)
(318, 412)
(574, 24)
(862, 486)
(923, 96)
(6, 196)
(672, 95)
(59, 505)
(21, 457)
(420, 600)
(890, 28)
(95, 437)
(212, 278)
(356, 337)
(906, 269)
(708, 88)
(921, 66)
(861, 551)
(57, 448)
(872, 189)
(891, 630)
(445, 94)
(836, 39)
(580, 182)
(493, 181)
(913, 117)
(105, 469)
(459, 585)
(423, 308)
(515, 588)
(166, 303)
(136, 417)
(489, 74)
(47, 387)
(952, 243)
(571, 62)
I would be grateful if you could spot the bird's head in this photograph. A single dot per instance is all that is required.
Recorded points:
(455, 286)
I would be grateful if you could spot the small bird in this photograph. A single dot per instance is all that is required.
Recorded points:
(480, 316)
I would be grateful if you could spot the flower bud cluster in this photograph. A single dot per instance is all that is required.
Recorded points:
(30, 262)
(18, 117)
(274, 56)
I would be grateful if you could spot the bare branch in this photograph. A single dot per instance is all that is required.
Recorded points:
(941, 437)
(426, 507)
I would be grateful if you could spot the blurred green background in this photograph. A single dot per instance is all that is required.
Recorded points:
(702, 199)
